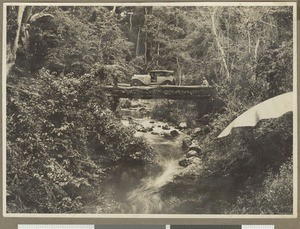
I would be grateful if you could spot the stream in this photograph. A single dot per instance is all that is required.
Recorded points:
(138, 190)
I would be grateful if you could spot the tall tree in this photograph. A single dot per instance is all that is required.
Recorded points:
(218, 42)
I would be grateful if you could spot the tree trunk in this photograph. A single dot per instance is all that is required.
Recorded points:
(157, 53)
(27, 14)
(158, 44)
(130, 22)
(256, 49)
(148, 44)
(179, 71)
(113, 11)
(138, 43)
(146, 37)
(24, 18)
(146, 47)
(223, 56)
(24, 26)
(254, 76)
(100, 48)
(249, 41)
(19, 21)
(12, 49)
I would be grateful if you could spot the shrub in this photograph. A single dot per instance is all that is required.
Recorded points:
(274, 197)
(61, 139)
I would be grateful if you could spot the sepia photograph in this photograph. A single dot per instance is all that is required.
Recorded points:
(149, 109)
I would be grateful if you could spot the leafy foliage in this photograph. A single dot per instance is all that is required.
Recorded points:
(64, 123)
(274, 197)
(62, 137)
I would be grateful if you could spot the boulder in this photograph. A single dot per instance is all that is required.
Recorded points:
(174, 133)
(150, 129)
(135, 105)
(166, 127)
(154, 133)
(197, 130)
(182, 125)
(191, 153)
(142, 129)
(166, 135)
(194, 160)
(195, 147)
(188, 161)
(186, 142)
(184, 163)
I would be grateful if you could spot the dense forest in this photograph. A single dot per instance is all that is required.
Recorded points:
(65, 142)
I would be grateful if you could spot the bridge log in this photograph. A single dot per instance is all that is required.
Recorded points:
(161, 92)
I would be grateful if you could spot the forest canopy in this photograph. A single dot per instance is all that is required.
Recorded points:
(224, 44)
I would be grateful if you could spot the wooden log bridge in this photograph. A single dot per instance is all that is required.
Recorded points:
(161, 92)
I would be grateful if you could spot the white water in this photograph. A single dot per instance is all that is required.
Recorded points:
(146, 198)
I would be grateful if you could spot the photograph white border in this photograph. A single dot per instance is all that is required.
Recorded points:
(163, 216)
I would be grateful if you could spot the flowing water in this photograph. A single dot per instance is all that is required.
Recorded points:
(139, 190)
(145, 198)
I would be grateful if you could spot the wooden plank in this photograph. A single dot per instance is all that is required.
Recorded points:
(159, 92)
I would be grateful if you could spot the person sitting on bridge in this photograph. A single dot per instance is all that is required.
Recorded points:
(205, 82)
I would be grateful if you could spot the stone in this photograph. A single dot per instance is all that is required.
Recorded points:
(194, 160)
(174, 133)
(150, 129)
(136, 105)
(144, 130)
(195, 147)
(182, 125)
(197, 130)
(184, 163)
(143, 111)
(151, 121)
(154, 133)
(186, 142)
(166, 135)
(165, 127)
(191, 153)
